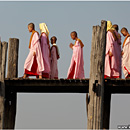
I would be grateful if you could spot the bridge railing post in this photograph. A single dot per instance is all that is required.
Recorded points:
(106, 110)
(3, 55)
(11, 98)
(96, 82)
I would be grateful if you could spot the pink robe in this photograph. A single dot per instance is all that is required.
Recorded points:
(113, 63)
(35, 47)
(76, 69)
(45, 53)
(54, 68)
(126, 58)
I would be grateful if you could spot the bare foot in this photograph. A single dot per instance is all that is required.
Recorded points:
(24, 76)
(40, 76)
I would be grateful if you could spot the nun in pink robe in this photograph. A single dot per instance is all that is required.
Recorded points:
(112, 63)
(76, 69)
(120, 56)
(34, 65)
(54, 63)
(126, 57)
(45, 47)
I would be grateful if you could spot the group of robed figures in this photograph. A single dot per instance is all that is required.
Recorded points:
(117, 58)
(42, 60)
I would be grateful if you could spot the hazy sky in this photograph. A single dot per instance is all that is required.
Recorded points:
(61, 110)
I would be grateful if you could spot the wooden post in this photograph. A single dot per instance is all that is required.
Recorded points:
(87, 102)
(96, 82)
(11, 98)
(106, 111)
(3, 55)
(13, 58)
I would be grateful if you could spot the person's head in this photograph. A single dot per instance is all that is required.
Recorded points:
(73, 35)
(115, 26)
(31, 27)
(53, 40)
(124, 31)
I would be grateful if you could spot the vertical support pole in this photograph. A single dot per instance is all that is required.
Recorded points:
(11, 98)
(87, 102)
(3, 55)
(106, 111)
(96, 82)
(13, 58)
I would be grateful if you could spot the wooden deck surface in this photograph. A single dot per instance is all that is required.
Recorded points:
(115, 86)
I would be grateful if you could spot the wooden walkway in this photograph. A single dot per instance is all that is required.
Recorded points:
(114, 86)
(44, 86)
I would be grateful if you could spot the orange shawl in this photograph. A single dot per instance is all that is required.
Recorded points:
(32, 37)
(125, 40)
(81, 44)
(114, 34)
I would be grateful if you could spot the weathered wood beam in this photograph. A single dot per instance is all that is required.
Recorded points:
(115, 86)
(11, 98)
(106, 111)
(118, 86)
(96, 82)
(3, 55)
(13, 58)
(42, 86)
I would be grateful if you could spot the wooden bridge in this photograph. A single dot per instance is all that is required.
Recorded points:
(98, 90)
(16, 85)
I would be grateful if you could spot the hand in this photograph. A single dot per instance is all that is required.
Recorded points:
(110, 54)
(71, 45)
(34, 53)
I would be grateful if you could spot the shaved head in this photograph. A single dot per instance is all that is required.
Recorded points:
(115, 26)
(54, 37)
(53, 40)
(75, 33)
(124, 29)
(32, 25)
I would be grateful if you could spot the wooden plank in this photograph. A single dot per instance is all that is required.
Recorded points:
(96, 90)
(42, 86)
(3, 55)
(11, 98)
(116, 86)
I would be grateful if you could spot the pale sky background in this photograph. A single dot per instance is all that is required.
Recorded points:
(62, 110)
